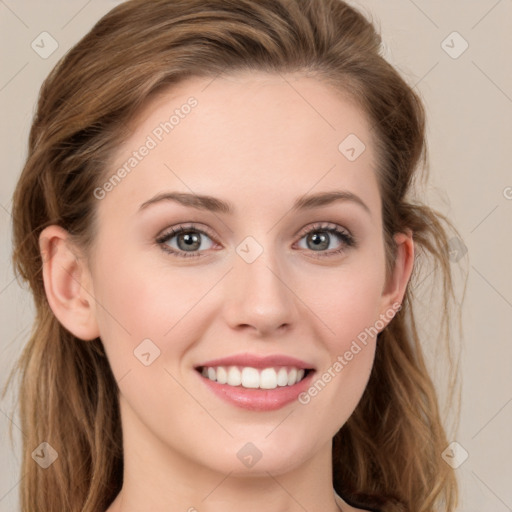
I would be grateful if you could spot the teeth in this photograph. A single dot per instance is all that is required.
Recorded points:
(222, 375)
(282, 377)
(268, 379)
(252, 378)
(234, 376)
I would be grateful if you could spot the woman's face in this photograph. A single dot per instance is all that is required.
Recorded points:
(253, 297)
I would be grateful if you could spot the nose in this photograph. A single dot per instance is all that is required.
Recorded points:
(259, 296)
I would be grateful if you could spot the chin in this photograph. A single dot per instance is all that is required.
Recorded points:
(265, 453)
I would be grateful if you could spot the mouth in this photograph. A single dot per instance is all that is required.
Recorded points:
(255, 383)
(254, 378)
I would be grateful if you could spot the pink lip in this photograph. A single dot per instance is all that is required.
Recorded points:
(258, 399)
(255, 361)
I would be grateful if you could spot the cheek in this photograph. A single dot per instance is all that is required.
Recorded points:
(137, 301)
(348, 307)
(346, 301)
(352, 315)
(339, 384)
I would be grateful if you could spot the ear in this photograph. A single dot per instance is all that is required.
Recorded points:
(68, 283)
(394, 290)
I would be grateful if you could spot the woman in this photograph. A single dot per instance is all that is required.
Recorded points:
(216, 221)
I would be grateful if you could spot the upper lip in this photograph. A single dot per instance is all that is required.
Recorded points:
(257, 361)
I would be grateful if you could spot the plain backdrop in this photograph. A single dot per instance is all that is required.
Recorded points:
(457, 56)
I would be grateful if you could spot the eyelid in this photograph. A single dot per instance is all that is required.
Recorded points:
(192, 226)
(322, 225)
(347, 239)
(169, 233)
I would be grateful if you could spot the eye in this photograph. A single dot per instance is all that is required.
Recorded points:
(184, 241)
(187, 241)
(319, 237)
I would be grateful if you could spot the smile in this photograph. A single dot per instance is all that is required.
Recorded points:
(254, 378)
(255, 382)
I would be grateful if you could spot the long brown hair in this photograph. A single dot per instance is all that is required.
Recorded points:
(388, 454)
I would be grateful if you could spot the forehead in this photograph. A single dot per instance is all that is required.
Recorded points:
(268, 135)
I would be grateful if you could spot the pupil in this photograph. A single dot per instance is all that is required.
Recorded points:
(320, 240)
(190, 240)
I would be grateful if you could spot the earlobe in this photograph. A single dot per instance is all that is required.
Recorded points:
(67, 283)
(394, 291)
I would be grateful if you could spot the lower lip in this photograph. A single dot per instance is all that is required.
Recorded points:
(259, 399)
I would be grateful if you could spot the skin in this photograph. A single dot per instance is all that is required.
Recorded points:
(259, 141)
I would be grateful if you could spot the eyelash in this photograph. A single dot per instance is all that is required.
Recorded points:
(347, 239)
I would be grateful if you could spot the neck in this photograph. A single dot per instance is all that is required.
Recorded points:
(159, 478)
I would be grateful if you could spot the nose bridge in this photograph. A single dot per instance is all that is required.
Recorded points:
(258, 289)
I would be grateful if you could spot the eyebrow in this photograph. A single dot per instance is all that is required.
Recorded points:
(213, 204)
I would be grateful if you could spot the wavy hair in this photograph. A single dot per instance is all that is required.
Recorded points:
(388, 454)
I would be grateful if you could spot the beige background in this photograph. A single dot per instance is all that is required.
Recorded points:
(469, 107)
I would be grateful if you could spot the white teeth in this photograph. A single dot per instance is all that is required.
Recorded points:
(222, 375)
(252, 378)
(234, 376)
(292, 377)
(268, 379)
(282, 377)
